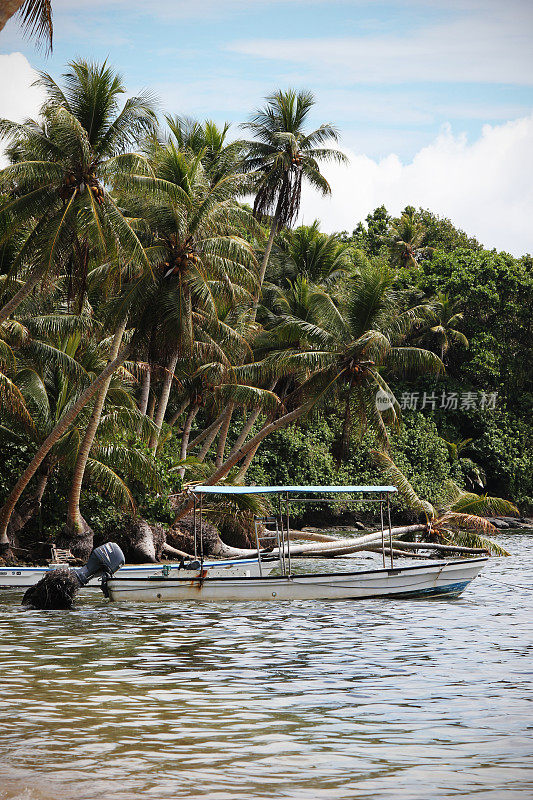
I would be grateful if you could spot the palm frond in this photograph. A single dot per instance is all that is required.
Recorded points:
(107, 480)
(404, 487)
(13, 404)
(469, 533)
(37, 20)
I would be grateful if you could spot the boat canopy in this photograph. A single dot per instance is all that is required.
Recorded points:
(293, 489)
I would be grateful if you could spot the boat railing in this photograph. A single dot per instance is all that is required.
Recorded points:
(264, 534)
(280, 534)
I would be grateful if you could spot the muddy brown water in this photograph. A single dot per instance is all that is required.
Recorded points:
(318, 700)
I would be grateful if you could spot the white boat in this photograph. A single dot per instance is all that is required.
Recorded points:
(428, 579)
(22, 577)
(435, 579)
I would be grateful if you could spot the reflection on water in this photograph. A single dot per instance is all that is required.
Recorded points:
(333, 700)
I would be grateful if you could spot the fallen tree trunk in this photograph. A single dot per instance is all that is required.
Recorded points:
(312, 537)
(340, 547)
(180, 542)
(172, 551)
(453, 548)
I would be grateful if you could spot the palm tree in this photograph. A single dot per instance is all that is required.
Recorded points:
(458, 517)
(283, 155)
(440, 328)
(75, 526)
(219, 156)
(36, 17)
(199, 257)
(58, 200)
(405, 239)
(54, 363)
(323, 258)
(332, 350)
(351, 347)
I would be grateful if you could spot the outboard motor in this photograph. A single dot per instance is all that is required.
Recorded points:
(59, 586)
(104, 560)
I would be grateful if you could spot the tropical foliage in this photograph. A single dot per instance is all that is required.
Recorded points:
(459, 513)
(156, 330)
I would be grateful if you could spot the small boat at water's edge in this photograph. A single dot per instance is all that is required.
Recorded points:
(430, 579)
(435, 579)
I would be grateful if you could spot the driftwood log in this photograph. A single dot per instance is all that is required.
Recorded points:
(452, 548)
(346, 546)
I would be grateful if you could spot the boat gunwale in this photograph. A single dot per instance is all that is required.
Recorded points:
(298, 576)
(148, 565)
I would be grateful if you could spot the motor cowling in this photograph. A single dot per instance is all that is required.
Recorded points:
(103, 561)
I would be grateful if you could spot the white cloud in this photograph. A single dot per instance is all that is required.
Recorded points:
(484, 187)
(18, 98)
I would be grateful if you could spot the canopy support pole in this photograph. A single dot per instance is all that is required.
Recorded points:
(281, 548)
(288, 535)
(390, 534)
(382, 530)
(202, 530)
(194, 527)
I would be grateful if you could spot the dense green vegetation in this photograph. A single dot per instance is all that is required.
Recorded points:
(155, 329)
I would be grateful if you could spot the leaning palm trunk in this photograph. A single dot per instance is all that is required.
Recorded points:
(50, 441)
(145, 393)
(264, 261)
(75, 524)
(207, 432)
(249, 424)
(193, 411)
(250, 454)
(175, 417)
(163, 401)
(268, 248)
(247, 427)
(209, 439)
(223, 435)
(246, 463)
(24, 291)
(255, 441)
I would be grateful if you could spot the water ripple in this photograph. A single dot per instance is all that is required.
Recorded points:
(303, 700)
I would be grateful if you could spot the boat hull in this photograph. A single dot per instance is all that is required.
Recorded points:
(433, 579)
(22, 577)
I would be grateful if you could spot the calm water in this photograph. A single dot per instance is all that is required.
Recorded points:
(369, 699)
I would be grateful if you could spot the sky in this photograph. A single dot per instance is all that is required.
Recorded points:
(433, 98)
